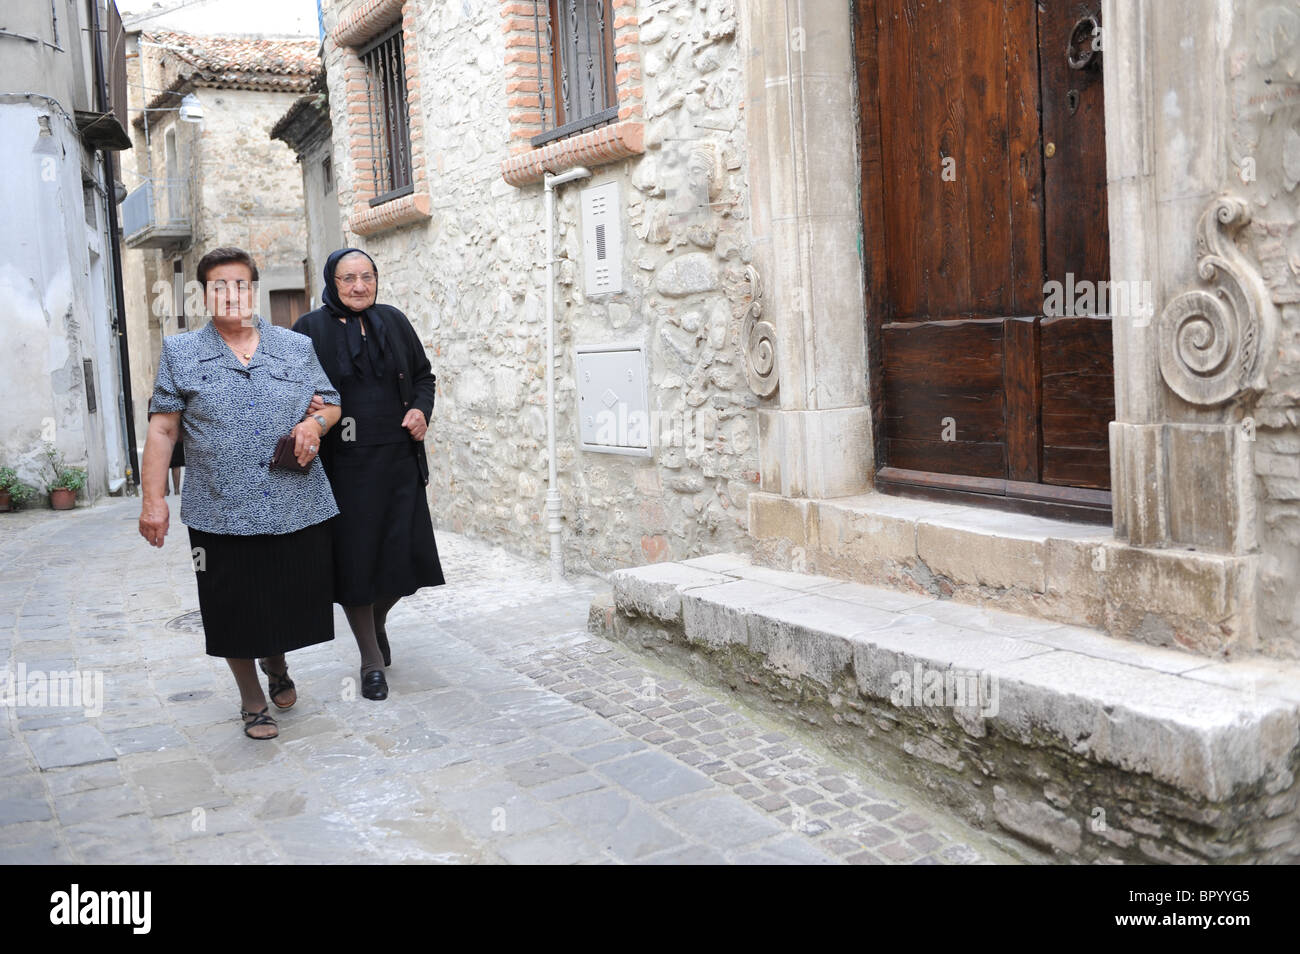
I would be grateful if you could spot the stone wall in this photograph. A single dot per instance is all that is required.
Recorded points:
(1263, 166)
(142, 335)
(251, 192)
(472, 280)
(244, 189)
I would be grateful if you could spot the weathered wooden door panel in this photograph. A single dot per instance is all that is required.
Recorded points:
(1078, 382)
(1021, 379)
(1078, 387)
(944, 407)
(1074, 134)
(969, 211)
(959, 158)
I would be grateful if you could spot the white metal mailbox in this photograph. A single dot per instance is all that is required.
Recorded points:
(613, 399)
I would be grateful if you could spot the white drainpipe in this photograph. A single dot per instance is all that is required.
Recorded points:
(553, 524)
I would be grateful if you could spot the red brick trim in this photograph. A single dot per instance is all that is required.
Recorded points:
(523, 74)
(363, 23)
(367, 21)
(409, 208)
(594, 148)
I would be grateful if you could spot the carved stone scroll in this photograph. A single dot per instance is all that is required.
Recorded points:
(1217, 342)
(758, 338)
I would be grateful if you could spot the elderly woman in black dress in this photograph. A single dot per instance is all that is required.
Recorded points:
(384, 547)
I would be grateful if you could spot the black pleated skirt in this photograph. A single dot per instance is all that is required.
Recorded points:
(383, 535)
(265, 594)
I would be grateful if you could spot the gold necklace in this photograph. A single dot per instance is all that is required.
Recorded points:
(246, 355)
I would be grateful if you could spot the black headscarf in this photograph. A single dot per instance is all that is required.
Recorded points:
(351, 343)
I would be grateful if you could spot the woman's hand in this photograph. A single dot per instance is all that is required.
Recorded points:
(415, 423)
(317, 404)
(154, 518)
(164, 431)
(306, 441)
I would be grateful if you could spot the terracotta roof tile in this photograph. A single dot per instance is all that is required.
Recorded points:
(241, 54)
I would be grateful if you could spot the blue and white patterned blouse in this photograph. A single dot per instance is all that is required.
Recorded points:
(232, 416)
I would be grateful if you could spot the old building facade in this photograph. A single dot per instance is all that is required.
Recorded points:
(62, 110)
(207, 173)
(306, 129)
(827, 383)
(462, 253)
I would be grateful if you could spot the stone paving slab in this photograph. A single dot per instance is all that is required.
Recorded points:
(511, 735)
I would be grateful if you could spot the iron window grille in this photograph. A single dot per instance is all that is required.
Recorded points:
(575, 55)
(389, 117)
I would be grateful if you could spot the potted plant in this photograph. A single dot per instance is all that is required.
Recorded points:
(13, 492)
(66, 480)
(8, 484)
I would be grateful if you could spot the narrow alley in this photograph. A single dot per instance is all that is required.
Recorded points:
(511, 735)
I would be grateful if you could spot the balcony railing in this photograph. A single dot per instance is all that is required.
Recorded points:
(157, 214)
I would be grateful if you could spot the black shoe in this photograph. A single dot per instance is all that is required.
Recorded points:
(374, 685)
(381, 638)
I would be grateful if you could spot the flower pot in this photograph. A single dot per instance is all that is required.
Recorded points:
(6, 502)
(63, 499)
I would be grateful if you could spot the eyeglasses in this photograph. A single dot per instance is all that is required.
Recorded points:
(366, 279)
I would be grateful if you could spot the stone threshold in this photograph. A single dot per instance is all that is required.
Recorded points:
(1057, 570)
(1085, 747)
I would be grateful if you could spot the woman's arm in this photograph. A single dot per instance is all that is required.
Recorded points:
(422, 376)
(325, 402)
(164, 429)
(307, 433)
(423, 381)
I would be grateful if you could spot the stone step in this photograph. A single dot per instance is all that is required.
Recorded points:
(1061, 571)
(1087, 748)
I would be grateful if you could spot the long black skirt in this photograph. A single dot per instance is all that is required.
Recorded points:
(265, 594)
(383, 536)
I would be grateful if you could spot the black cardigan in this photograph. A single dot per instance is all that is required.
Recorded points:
(415, 380)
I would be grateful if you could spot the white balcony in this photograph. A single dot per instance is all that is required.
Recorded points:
(157, 214)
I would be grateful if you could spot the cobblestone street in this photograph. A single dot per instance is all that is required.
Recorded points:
(511, 734)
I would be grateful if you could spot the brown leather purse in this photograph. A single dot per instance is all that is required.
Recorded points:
(284, 458)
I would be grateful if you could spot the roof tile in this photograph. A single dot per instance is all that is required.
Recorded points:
(242, 54)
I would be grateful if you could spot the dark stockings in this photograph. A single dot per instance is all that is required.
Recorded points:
(382, 606)
(362, 621)
(368, 624)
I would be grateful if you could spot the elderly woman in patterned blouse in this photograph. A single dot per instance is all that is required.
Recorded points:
(260, 535)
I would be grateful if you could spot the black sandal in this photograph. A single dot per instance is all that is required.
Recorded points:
(276, 684)
(259, 718)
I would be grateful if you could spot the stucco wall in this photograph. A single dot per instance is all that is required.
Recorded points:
(324, 231)
(48, 327)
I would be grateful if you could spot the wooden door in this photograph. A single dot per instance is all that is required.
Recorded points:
(983, 180)
(287, 306)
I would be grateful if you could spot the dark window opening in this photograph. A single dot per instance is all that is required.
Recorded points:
(575, 55)
(389, 120)
(178, 293)
(88, 374)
